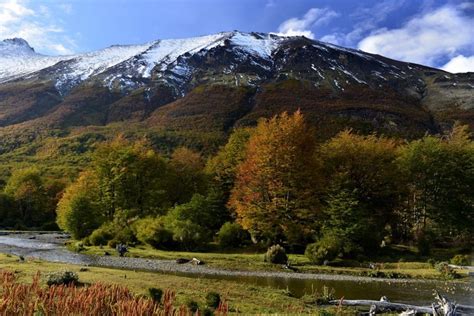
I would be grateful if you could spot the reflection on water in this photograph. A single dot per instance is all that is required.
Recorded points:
(50, 248)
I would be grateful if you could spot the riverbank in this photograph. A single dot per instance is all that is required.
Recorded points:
(51, 248)
(242, 298)
(253, 262)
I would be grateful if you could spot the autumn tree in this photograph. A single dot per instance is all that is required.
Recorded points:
(276, 192)
(79, 211)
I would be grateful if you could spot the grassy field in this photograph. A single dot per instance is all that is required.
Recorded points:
(242, 298)
(411, 267)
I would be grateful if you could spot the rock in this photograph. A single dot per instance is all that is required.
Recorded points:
(197, 262)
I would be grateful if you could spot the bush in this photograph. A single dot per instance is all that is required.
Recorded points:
(446, 271)
(326, 248)
(189, 235)
(152, 231)
(276, 254)
(62, 278)
(213, 299)
(232, 235)
(79, 246)
(431, 262)
(461, 260)
(155, 294)
(102, 235)
(192, 305)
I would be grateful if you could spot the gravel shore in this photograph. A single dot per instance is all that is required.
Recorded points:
(50, 247)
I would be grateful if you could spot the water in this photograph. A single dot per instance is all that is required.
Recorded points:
(50, 247)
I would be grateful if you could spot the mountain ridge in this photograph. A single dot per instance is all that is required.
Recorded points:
(216, 82)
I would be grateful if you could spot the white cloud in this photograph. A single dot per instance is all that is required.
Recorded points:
(365, 22)
(35, 25)
(426, 39)
(302, 26)
(460, 63)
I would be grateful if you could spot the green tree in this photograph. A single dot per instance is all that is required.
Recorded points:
(276, 193)
(130, 177)
(79, 210)
(440, 174)
(187, 175)
(26, 187)
(223, 166)
(8, 217)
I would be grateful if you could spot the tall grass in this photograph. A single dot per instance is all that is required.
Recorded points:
(98, 299)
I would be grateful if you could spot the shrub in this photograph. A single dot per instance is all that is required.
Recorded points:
(153, 232)
(101, 236)
(192, 305)
(232, 235)
(189, 235)
(276, 254)
(446, 271)
(207, 312)
(461, 260)
(155, 294)
(326, 248)
(62, 278)
(124, 236)
(79, 246)
(431, 262)
(213, 299)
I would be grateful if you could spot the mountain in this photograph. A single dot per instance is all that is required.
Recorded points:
(213, 83)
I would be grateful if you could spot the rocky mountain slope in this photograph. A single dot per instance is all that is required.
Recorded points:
(216, 82)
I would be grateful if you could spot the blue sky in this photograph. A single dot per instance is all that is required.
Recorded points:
(438, 33)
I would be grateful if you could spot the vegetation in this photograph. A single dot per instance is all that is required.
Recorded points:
(346, 198)
(240, 298)
(276, 254)
(97, 299)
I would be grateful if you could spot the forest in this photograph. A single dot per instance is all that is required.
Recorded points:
(273, 184)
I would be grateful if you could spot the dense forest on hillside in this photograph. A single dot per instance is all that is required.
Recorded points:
(277, 183)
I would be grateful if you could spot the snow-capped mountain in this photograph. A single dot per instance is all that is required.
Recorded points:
(18, 59)
(243, 75)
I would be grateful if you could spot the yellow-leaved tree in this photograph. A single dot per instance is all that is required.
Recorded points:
(276, 192)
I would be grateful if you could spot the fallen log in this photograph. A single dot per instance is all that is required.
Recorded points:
(386, 306)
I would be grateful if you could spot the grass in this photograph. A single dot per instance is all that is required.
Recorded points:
(414, 267)
(242, 298)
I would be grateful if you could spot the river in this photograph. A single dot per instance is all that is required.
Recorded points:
(49, 247)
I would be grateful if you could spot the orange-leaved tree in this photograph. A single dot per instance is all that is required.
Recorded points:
(275, 195)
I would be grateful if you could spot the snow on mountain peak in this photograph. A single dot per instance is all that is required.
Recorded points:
(15, 43)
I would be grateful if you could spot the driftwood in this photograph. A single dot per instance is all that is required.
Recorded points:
(441, 307)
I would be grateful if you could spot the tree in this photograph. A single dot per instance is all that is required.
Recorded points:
(79, 210)
(223, 166)
(187, 175)
(363, 186)
(440, 174)
(7, 216)
(25, 186)
(130, 177)
(276, 192)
